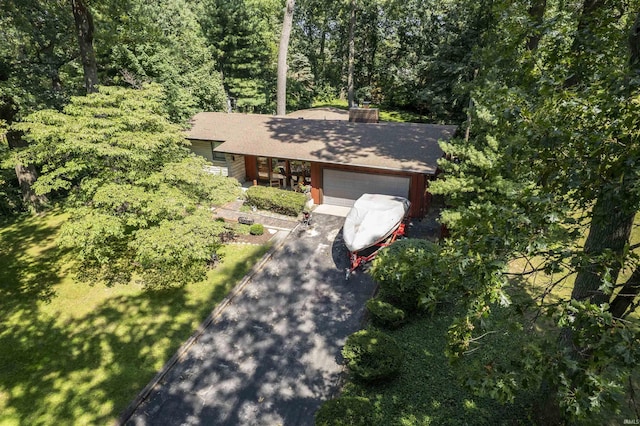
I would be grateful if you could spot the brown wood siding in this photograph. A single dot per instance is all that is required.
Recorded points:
(251, 167)
(416, 191)
(316, 183)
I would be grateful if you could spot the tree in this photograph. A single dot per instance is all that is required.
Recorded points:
(84, 31)
(242, 36)
(287, 22)
(352, 52)
(138, 200)
(161, 42)
(553, 158)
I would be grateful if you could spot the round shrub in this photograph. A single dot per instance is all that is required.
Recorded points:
(385, 314)
(256, 229)
(411, 274)
(346, 411)
(372, 355)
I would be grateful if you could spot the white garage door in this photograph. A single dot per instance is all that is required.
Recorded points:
(343, 188)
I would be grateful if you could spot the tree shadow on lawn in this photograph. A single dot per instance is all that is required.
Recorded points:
(83, 370)
(27, 276)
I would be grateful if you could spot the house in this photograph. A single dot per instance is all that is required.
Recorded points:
(340, 159)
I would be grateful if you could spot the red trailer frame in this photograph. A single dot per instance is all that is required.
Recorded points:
(356, 259)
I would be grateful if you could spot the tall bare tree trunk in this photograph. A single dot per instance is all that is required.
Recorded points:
(84, 30)
(352, 53)
(287, 23)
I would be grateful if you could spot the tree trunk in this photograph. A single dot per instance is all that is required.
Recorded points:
(26, 175)
(287, 23)
(536, 12)
(84, 29)
(609, 232)
(352, 53)
(624, 299)
(613, 212)
(584, 39)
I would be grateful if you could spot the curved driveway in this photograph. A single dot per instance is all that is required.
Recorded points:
(273, 354)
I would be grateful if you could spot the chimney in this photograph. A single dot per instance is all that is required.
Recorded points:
(364, 115)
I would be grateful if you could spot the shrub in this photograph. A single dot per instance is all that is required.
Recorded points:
(256, 229)
(372, 355)
(385, 314)
(276, 200)
(410, 274)
(346, 411)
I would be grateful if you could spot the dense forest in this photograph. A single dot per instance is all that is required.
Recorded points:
(542, 182)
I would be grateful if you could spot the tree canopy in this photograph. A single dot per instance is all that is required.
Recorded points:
(551, 161)
(139, 201)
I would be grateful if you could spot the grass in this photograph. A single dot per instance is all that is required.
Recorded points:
(397, 115)
(78, 354)
(428, 390)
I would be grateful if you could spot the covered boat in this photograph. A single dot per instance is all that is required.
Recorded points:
(374, 221)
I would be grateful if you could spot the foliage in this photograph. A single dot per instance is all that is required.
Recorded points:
(242, 35)
(38, 61)
(385, 314)
(160, 42)
(552, 157)
(277, 200)
(410, 274)
(427, 390)
(348, 410)
(138, 200)
(372, 355)
(75, 350)
(256, 229)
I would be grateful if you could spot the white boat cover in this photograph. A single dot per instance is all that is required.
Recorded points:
(373, 218)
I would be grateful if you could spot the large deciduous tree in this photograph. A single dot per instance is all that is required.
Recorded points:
(138, 200)
(554, 158)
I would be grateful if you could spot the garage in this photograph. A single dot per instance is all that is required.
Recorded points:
(342, 188)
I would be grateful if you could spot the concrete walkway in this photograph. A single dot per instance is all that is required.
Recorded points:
(272, 356)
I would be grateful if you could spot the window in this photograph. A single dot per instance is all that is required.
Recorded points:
(206, 150)
(217, 156)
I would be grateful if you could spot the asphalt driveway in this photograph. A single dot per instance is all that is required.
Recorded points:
(273, 355)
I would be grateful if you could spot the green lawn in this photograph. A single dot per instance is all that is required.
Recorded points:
(385, 115)
(428, 391)
(78, 354)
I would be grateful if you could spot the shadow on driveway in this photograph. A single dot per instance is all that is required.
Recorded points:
(273, 355)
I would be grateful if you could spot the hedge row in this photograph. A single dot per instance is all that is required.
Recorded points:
(276, 200)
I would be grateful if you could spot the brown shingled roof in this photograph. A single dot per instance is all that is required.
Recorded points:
(392, 146)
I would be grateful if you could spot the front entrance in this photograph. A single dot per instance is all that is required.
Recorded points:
(343, 188)
(282, 173)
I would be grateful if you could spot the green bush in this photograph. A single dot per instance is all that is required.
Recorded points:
(372, 355)
(384, 313)
(411, 274)
(346, 411)
(256, 229)
(276, 200)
